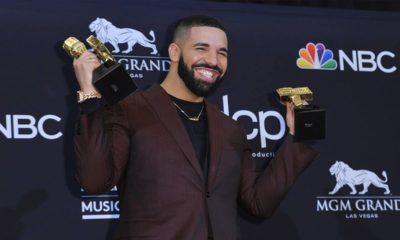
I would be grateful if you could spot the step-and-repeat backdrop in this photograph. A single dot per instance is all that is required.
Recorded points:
(350, 59)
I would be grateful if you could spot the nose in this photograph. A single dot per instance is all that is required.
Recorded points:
(212, 59)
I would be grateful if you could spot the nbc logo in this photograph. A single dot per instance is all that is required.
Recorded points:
(316, 56)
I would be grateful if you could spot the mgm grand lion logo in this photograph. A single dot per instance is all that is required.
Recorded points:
(108, 33)
(345, 175)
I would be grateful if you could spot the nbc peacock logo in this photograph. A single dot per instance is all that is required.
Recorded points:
(316, 56)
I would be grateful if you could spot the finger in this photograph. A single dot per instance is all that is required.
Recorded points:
(92, 58)
(96, 63)
(88, 56)
(87, 59)
(289, 106)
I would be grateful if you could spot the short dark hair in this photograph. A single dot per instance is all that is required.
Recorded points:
(188, 22)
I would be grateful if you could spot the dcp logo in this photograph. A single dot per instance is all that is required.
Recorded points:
(260, 129)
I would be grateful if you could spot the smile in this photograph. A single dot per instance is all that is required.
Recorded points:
(206, 74)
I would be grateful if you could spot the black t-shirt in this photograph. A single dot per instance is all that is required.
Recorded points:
(197, 130)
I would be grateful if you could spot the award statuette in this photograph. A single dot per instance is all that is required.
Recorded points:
(110, 78)
(309, 120)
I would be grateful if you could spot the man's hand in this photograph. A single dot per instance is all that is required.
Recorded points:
(83, 67)
(290, 117)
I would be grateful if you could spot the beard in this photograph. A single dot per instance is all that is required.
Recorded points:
(197, 86)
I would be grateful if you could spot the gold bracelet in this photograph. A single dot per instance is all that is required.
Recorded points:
(84, 96)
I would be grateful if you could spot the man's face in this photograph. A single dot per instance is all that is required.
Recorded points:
(203, 60)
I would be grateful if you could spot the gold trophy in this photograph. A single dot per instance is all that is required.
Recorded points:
(309, 120)
(110, 78)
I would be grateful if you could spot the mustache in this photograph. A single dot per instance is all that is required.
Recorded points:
(216, 68)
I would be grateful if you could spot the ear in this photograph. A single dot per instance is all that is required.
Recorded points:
(174, 52)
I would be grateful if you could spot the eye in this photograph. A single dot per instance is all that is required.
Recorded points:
(224, 54)
(200, 48)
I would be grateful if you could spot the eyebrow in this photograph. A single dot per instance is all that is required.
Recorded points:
(208, 45)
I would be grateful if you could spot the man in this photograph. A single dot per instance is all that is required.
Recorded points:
(180, 164)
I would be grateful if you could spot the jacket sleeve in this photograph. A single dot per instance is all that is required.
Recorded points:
(261, 193)
(101, 142)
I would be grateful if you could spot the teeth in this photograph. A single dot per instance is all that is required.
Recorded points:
(206, 73)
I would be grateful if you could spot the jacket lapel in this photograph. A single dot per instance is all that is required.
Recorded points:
(214, 119)
(159, 100)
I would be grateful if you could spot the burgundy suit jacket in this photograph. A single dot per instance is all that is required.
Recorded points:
(142, 145)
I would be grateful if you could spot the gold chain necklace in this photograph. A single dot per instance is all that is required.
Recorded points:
(196, 119)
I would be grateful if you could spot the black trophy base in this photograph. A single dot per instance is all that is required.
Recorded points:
(113, 83)
(309, 123)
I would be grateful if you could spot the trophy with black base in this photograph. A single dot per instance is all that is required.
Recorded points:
(309, 120)
(110, 78)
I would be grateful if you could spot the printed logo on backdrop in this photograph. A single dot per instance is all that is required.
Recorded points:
(104, 206)
(123, 42)
(25, 126)
(318, 57)
(357, 201)
(262, 126)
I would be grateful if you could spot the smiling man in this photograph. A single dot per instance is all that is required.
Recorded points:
(199, 59)
(182, 167)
